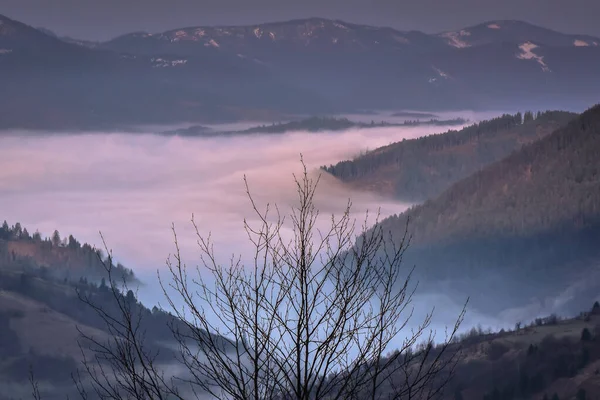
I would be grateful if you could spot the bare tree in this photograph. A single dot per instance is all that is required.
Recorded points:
(124, 366)
(312, 316)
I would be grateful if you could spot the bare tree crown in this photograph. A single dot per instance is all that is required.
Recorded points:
(312, 316)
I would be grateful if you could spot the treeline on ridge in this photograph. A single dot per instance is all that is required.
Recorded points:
(63, 258)
(418, 169)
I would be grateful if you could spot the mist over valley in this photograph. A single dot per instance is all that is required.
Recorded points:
(302, 209)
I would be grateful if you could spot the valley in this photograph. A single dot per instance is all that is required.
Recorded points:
(303, 208)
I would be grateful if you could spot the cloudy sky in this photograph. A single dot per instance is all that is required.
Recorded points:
(103, 19)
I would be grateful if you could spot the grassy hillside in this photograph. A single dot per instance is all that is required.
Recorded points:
(418, 169)
(532, 219)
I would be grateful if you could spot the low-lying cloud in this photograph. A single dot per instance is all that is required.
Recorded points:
(132, 187)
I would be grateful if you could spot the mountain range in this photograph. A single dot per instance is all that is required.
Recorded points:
(269, 71)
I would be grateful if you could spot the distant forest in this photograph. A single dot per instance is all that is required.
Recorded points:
(317, 124)
(56, 256)
(418, 169)
(532, 218)
(313, 124)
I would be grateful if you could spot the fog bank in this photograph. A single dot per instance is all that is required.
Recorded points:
(133, 187)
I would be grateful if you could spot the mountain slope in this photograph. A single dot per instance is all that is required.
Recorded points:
(365, 66)
(48, 83)
(551, 182)
(418, 169)
(315, 35)
(302, 35)
(512, 31)
(310, 66)
(524, 228)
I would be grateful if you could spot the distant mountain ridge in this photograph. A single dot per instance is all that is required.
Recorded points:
(320, 32)
(310, 66)
(514, 31)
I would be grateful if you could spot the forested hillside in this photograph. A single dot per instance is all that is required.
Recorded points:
(45, 319)
(61, 258)
(532, 219)
(418, 169)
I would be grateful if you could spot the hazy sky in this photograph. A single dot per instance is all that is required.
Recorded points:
(103, 19)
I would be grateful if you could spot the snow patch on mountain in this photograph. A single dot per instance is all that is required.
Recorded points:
(454, 39)
(258, 32)
(580, 43)
(494, 26)
(441, 73)
(213, 43)
(528, 54)
(400, 39)
(257, 61)
(163, 63)
(272, 35)
(179, 35)
(5, 51)
(341, 26)
(223, 32)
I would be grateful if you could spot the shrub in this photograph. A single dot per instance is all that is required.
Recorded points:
(586, 336)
